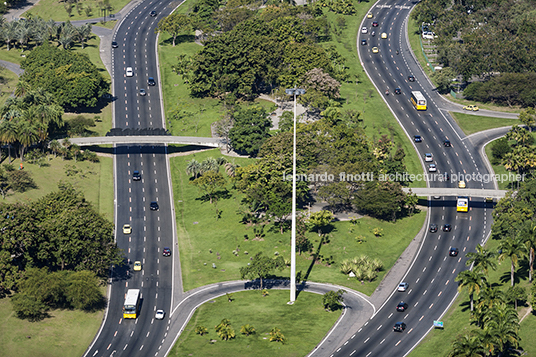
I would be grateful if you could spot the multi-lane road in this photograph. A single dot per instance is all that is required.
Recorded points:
(432, 274)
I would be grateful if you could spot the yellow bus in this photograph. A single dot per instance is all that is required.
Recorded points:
(418, 100)
(132, 304)
(463, 204)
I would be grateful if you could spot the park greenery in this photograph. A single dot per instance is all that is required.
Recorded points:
(53, 249)
(490, 40)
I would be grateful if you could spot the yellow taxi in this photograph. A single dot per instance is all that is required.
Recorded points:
(127, 229)
(375, 50)
(137, 265)
(369, 15)
(472, 108)
(461, 184)
(384, 35)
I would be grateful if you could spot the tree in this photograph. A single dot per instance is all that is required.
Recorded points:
(83, 292)
(411, 202)
(382, 199)
(320, 219)
(251, 128)
(482, 260)
(514, 249)
(528, 117)
(28, 307)
(502, 323)
(468, 345)
(332, 300)
(443, 79)
(515, 294)
(201, 330)
(261, 267)
(210, 183)
(247, 330)
(174, 24)
(8, 134)
(277, 336)
(224, 330)
(471, 280)
(26, 135)
(20, 180)
(193, 168)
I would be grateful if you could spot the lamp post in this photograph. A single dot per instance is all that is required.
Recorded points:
(295, 92)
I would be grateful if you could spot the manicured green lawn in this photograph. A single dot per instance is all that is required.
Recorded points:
(7, 84)
(94, 180)
(65, 334)
(474, 123)
(204, 239)
(55, 10)
(303, 324)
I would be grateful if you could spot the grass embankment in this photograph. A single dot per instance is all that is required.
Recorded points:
(55, 10)
(303, 325)
(8, 81)
(358, 95)
(204, 239)
(456, 320)
(471, 124)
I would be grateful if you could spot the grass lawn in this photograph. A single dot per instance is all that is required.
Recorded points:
(204, 239)
(65, 334)
(93, 179)
(263, 313)
(108, 24)
(55, 10)
(415, 43)
(456, 320)
(474, 123)
(8, 81)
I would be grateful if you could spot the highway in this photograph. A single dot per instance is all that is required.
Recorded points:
(151, 230)
(431, 278)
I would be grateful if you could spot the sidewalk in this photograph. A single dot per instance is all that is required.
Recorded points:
(20, 8)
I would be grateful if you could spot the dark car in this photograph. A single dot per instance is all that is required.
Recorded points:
(453, 252)
(446, 143)
(154, 206)
(136, 176)
(153, 13)
(374, 23)
(433, 228)
(411, 78)
(114, 44)
(446, 176)
(398, 91)
(143, 93)
(402, 306)
(417, 138)
(151, 81)
(447, 228)
(363, 42)
(399, 327)
(166, 252)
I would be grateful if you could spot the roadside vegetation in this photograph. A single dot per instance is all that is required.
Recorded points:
(246, 323)
(71, 10)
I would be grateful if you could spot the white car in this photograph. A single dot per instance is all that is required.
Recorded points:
(130, 73)
(364, 30)
(159, 315)
(432, 168)
(384, 35)
(403, 286)
(428, 157)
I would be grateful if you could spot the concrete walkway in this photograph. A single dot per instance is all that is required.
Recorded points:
(13, 67)
(20, 8)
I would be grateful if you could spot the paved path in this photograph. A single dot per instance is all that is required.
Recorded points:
(13, 67)
(15, 12)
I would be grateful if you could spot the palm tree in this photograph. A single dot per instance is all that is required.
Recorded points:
(529, 236)
(8, 133)
(26, 136)
(512, 248)
(210, 164)
(193, 168)
(247, 330)
(22, 88)
(473, 281)
(469, 345)
(502, 323)
(489, 297)
(23, 32)
(55, 146)
(8, 32)
(75, 150)
(83, 34)
(482, 260)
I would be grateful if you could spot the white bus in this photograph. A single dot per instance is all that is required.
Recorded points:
(463, 204)
(132, 304)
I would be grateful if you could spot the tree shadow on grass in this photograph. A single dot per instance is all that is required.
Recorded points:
(180, 39)
(216, 196)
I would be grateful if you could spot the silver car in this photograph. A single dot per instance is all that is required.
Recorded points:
(403, 286)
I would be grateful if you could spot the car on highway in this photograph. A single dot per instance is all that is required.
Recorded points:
(437, 197)
(159, 314)
(411, 78)
(432, 168)
(363, 42)
(399, 327)
(375, 50)
(398, 90)
(447, 227)
(143, 93)
(472, 108)
(403, 286)
(374, 23)
(114, 44)
(488, 199)
(137, 265)
(446, 176)
(461, 184)
(364, 30)
(384, 35)
(130, 72)
(136, 176)
(370, 15)
(433, 228)
(417, 138)
(428, 157)
(154, 206)
(402, 306)
(446, 143)
(127, 229)
(151, 81)
(166, 252)
(152, 13)
(453, 252)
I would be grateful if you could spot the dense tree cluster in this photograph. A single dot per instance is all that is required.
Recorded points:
(70, 77)
(505, 89)
(60, 231)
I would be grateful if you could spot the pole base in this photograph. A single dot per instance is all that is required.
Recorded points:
(290, 303)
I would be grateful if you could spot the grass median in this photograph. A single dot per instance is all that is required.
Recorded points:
(303, 325)
(88, 9)
(471, 124)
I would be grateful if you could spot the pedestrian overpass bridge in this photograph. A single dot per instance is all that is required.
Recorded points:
(149, 139)
(471, 192)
